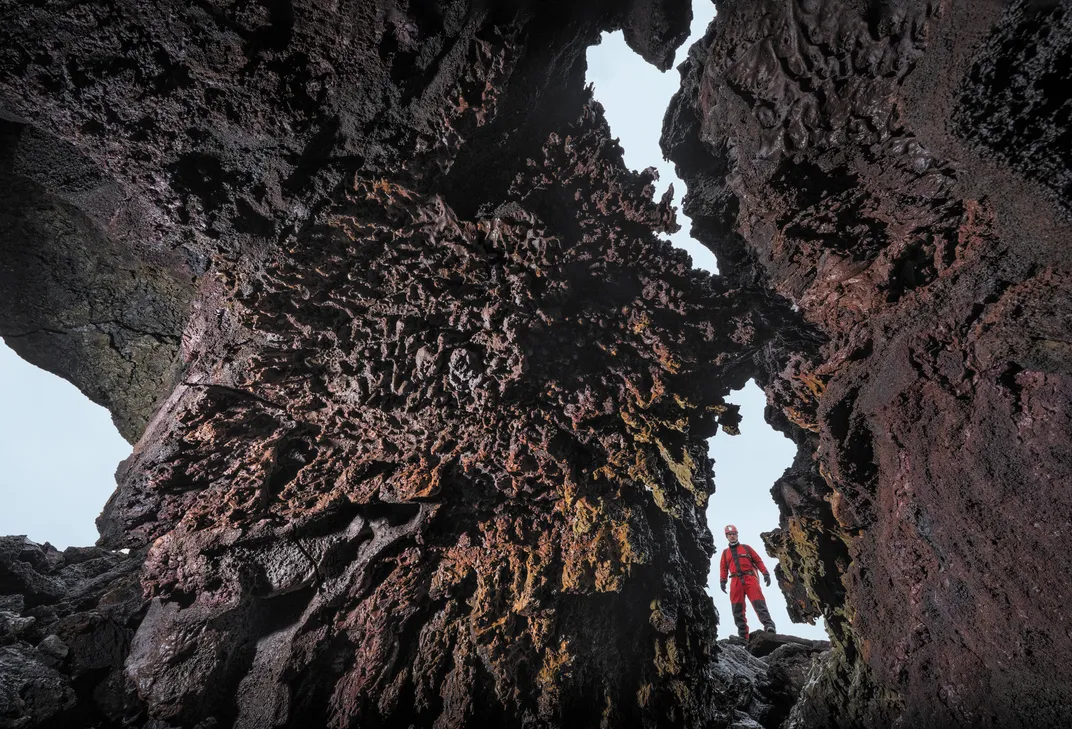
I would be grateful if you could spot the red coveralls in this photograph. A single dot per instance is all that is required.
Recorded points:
(745, 583)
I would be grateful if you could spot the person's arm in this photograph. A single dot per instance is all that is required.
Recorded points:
(758, 562)
(723, 569)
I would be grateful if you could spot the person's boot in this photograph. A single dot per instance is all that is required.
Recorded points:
(764, 615)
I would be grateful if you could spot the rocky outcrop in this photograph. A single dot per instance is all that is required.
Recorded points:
(81, 294)
(434, 451)
(763, 677)
(139, 143)
(66, 624)
(891, 174)
(454, 477)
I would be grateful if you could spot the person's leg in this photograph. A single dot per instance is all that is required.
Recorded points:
(759, 603)
(764, 615)
(737, 604)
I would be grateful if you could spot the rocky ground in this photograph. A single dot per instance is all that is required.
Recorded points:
(420, 397)
(763, 677)
(66, 624)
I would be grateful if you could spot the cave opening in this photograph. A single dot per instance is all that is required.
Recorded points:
(59, 450)
(635, 96)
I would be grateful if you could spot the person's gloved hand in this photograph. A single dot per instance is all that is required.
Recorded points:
(722, 584)
(766, 579)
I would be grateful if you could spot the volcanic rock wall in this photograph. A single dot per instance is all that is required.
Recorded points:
(425, 420)
(897, 173)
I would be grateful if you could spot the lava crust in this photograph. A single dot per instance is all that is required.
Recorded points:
(432, 449)
(890, 173)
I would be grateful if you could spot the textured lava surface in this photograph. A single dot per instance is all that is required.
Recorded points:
(893, 174)
(425, 441)
(147, 139)
(79, 295)
(441, 471)
(765, 675)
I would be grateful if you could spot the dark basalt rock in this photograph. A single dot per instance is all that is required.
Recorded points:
(79, 294)
(891, 174)
(138, 143)
(66, 624)
(443, 479)
(764, 676)
(1014, 103)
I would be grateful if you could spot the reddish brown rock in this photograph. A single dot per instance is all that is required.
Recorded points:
(441, 471)
(876, 171)
(147, 140)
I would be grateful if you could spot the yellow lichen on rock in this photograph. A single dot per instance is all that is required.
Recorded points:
(667, 658)
(683, 471)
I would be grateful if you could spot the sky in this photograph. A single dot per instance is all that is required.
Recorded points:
(635, 96)
(60, 451)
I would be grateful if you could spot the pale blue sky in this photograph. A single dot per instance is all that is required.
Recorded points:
(59, 451)
(635, 96)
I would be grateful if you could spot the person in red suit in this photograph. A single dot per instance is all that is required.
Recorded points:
(741, 562)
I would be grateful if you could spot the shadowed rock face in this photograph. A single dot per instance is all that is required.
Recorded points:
(764, 676)
(80, 295)
(892, 171)
(66, 624)
(162, 137)
(440, 470)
